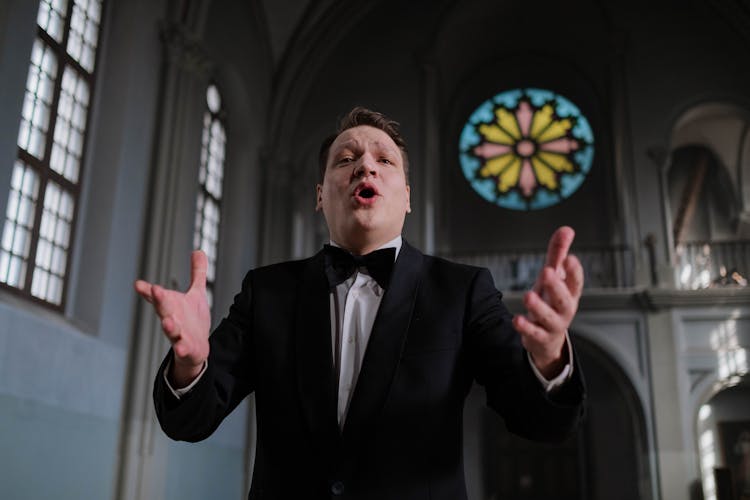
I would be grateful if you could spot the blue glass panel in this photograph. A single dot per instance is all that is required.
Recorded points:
(544, 199)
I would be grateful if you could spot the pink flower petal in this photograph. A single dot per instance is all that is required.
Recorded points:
(490, 150)
(527, 181)
(524, 115)
(562, 145)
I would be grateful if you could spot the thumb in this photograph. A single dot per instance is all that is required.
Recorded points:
(198, 268)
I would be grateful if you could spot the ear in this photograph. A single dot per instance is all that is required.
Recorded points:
(319, 197)
(408, 199)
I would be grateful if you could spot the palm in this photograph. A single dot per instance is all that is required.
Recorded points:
(185, 317)
(192, 320)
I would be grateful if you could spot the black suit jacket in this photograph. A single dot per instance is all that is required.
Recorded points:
(440, 327)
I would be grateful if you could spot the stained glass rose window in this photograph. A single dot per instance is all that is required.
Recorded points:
(526, 149)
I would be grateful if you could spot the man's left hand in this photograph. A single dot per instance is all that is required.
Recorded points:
(551, 305)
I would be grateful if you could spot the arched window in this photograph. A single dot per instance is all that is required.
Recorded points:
(210, 176)
(42, 204)
(706, 198)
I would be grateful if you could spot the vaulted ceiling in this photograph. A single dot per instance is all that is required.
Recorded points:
(282, 18)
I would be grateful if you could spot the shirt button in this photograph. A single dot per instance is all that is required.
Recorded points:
(337, 488)
(350, 340)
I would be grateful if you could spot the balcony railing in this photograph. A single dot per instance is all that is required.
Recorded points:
(712, 264)
(603, 267)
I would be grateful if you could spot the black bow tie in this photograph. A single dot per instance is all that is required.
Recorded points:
(340, 265)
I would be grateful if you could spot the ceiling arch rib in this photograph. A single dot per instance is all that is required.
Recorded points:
(323, 25)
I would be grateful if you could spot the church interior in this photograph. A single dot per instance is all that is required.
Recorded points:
(135, 131)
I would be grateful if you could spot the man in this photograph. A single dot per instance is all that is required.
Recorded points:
(360, 371)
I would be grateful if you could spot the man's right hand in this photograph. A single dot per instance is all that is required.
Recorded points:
(185, 320)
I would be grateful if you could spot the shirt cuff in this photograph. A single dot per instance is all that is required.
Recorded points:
(178, 393)
(564, 375)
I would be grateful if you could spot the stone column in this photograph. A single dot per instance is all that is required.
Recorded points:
(169, 225)
(430, 168)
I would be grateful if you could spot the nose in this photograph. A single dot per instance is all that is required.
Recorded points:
(366, 167)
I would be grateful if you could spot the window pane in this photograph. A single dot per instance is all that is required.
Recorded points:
(16, 239)
(84, 31)
(213, 99)
(35, 118)
(70, 127)
(51, 17)
(54, 241)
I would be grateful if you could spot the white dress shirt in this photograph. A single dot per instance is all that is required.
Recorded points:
(354, 305)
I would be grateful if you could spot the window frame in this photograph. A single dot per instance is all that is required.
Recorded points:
(219, 116)
(42, 167)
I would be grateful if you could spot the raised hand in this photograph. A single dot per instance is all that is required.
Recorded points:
(185, 320)
(551, 305)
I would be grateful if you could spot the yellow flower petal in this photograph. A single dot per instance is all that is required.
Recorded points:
(544, 174)
(495, 134)
(542, 118)
(558, 162)
(508, 123)
(496, 165)
(509, 177)
(555, 130)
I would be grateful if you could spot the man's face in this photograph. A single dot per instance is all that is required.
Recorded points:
(364, 195)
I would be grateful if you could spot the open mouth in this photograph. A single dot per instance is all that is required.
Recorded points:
(365, 192)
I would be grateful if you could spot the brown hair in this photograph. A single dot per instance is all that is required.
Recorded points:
(363, 116)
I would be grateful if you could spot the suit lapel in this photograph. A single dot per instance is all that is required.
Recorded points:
(386, 342)
(315, 377)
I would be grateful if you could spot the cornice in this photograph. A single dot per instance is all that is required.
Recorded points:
(648, 299)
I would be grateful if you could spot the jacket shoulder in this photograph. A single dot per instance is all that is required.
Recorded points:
(450, 267)
(281, 274)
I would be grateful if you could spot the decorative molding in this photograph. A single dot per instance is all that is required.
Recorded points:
(185, 50)
(592, 299)
(659, 298)
(647, 299)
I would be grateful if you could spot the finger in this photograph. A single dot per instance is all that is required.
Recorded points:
(198, 268)
(533, 337)
(557, 295)
(544, 316)
(171, 329)
(143, 288)
(163, 301)
(536, 340)
(558, 247)
(573, 276)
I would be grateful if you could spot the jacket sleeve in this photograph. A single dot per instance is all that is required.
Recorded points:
(228, 378)
(501, 365)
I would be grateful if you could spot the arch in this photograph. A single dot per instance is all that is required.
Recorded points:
(707, 137)
(494, 458)
(722, 127)
(595, 359)
(721, 424)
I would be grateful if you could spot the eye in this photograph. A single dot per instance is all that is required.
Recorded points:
(386, 161)
(344, 160)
